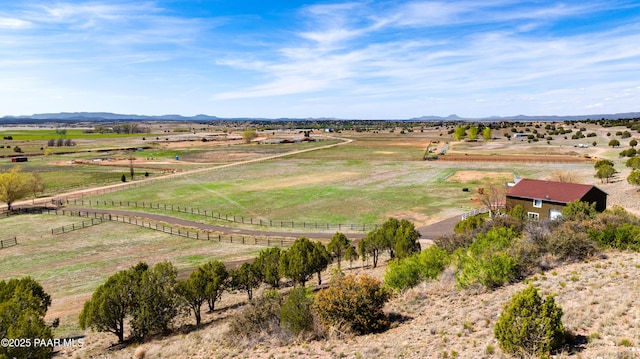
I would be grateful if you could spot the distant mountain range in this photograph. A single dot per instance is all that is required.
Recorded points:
(106, 116)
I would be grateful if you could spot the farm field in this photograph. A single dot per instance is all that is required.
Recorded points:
(379, 175)
(70, 266)
(374, 177)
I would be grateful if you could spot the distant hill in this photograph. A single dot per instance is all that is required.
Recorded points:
(107, 116)
(525, 118)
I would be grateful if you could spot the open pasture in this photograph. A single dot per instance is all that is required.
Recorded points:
(366, 181)
(70, 266)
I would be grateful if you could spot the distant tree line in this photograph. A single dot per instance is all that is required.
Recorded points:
(120, 128)
(60, 142)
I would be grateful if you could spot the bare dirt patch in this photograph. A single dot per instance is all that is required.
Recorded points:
(418, 219)
(471, 176)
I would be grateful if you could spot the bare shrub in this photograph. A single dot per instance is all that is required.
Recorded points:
(570, 242)
(451, 242)
(140, 353)
(258, 321)
(563, 176)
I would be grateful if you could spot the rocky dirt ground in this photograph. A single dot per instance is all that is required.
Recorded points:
(598, 297)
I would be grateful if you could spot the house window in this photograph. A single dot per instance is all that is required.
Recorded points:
(554, 214)
(533, 215)
(537, 203)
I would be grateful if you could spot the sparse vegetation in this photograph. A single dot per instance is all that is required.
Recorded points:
(530, 325)
(552, 245)
(353, 303)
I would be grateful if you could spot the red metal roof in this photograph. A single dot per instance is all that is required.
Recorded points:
(549, 190)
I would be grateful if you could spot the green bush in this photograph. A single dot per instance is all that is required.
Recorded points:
(578, 210)
(625, 236)
(469, 224)
(296, 315)
(353, 302)
(403, 274)
(408, 272)
(487, 260)
(530, 325)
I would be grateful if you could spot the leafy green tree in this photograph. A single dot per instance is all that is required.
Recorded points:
(193, 291)
(530, 325)
(487, 260)
(156, 301)
(399, 237)
(633, 143)
(634, 178)
(245, 278)
(23, 305)
(297, 262)
(518, 213)
(351, 254)
(614, 143)
(579, 210)
(605, 173)
(320, 259)
(249, 135)
(337, 246)
(296, 315)
(469, 224)
(408, 272)
(14, 185)
(39, 300)
(372, 245)
(486, 133)
(602, 163)
(268, 266)
(459, 133)
(406, 239)
(473, 132)
(633, 162)
(111, 303)
(218, 280)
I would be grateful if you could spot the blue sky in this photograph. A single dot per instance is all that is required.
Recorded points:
(360, 59)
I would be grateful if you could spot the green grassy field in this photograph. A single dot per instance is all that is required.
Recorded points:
(46, 134)
(70, 266)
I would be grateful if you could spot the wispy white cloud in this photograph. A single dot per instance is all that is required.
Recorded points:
(465, 64)
(385, 59)
(12, 23)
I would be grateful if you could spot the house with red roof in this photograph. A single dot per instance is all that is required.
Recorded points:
(543, 200)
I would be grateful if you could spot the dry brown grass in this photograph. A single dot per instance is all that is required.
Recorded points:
(599, 299)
